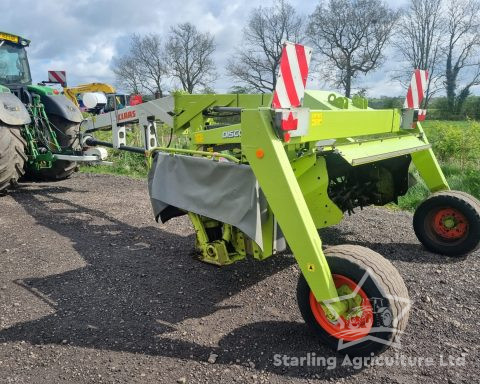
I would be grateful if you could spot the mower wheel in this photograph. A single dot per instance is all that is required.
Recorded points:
(12, 156)
(380, 312)
(448, 223)
(67, 133)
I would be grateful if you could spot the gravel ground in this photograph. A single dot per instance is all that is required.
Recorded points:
(93, 290)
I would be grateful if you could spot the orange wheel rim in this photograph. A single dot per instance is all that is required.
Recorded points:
(450, 223)
(350, 329)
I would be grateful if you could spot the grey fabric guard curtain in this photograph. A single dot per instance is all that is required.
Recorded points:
(223, 191)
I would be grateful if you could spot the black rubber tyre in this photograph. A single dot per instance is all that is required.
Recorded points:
(445, 241)
(386, 293)
(12, 156)
(67, 133)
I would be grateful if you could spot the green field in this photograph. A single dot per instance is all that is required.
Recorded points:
(457, 147)
(456, 144)
(124, 163)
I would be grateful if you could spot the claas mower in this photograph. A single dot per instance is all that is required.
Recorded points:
(256, 173)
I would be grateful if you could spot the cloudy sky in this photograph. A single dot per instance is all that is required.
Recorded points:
(83, 36)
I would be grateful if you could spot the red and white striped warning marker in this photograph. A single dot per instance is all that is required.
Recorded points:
(416, 92)
(422, 114)
(292, 76)
(57, 77)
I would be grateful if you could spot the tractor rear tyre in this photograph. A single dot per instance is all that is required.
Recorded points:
(381, 308)
(448, 223)
(12, 156)
(67, 134)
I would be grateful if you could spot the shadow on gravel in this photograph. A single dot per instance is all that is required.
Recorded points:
(407, 252)
(138, 283)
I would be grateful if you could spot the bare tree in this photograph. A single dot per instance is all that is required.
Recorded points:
(189, 56)
(418, 40)
(351, 35)
(150, 53)
(127, 74)
(143, 67)
(255, 65)
(461, 51)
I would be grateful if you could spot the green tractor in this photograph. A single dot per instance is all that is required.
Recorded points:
(35, 122)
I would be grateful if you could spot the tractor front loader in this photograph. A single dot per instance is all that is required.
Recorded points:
(39, 128)
(255, 172)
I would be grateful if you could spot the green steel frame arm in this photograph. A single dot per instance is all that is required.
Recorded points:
(213, 155)
(430, 171)
(322, 125)
(269, 161)
(428, 167)
(189, 109)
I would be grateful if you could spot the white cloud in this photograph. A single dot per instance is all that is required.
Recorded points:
(84, 36)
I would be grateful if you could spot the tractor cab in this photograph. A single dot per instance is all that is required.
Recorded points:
(116, 101)
(14, 67)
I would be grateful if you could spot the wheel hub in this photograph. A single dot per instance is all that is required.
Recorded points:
(450, 223)
(355, 318)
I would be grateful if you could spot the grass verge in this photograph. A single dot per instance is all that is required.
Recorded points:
(466, 180)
